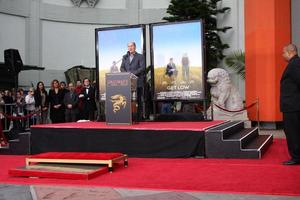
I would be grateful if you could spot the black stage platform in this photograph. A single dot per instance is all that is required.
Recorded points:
(146, 139)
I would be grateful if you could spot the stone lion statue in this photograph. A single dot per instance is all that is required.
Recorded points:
(224, 94)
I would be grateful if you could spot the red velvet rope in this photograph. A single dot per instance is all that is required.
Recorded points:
(246, 108)
(3, 140)
(19, 117)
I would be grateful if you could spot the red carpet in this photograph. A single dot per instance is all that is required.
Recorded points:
(173, 126)
(265, 176)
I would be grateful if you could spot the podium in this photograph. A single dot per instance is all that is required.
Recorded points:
(121, 98)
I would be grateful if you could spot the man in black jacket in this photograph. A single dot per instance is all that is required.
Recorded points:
(290, 102)
(71, 104)
(135, 63)
(88, 100)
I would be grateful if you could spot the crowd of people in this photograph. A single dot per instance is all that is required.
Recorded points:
(62, 103)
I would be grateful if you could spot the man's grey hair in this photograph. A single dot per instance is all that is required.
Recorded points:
(291, 48)
(131, 43)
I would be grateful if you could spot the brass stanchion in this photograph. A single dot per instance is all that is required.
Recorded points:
(212, 110)
(257, 114)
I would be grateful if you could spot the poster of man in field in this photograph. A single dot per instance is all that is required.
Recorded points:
(181, 45)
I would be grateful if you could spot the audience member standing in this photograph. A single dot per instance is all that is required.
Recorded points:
(21, 92)
(20, 103)
(30, 106)
(88, 100)
(13, 94)
(78, 87)
(78, 90)
(71, 103)
(63, 87)
(41, 102)
(56, 97)
(19, 110)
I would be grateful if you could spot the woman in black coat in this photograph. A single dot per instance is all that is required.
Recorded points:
(56, 98)
(41, 102)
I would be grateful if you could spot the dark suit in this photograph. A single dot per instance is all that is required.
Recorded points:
(137, 67)
(57, 115)
(290, 105)
(88, 103)
(71, 113)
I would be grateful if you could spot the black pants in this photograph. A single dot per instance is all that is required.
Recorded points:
(57, 115)
(88, 114)
(71, 115)
(291, 122)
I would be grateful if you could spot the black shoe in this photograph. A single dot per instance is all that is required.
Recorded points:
(291, 162)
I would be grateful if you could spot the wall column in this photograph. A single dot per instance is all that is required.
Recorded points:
(33, 35)
(267, 30)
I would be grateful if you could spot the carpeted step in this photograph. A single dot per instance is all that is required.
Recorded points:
(249, 137)
(259, 144)
(229, 128)
(5, 150)
(240, 135)
(20, 146)
(224, 125)
(232, 140)
(233, 129)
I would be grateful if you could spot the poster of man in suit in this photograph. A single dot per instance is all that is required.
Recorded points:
(112, 44)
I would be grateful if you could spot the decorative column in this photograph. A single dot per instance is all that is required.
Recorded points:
(33, 34)
(267, 30)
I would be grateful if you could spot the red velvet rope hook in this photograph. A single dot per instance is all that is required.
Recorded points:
(246, 108)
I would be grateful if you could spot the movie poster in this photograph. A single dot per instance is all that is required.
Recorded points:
(111, 45)
(178, 61)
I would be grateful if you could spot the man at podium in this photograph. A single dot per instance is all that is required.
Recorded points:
(135, 63)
